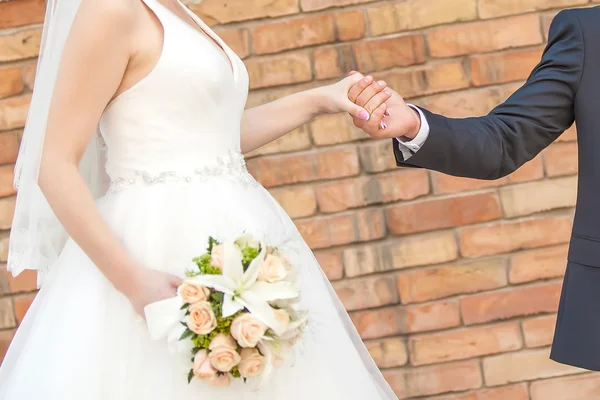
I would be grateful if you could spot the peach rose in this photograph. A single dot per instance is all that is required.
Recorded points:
(201, 320)
(273, 269)
(247, 330)
(193, 293)
(222, 380)
(223, 353)
(216, 256)
(283, 317)
(252, 364)
(202, 367)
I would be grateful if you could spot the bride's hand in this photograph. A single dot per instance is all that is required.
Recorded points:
(336, 98)
(150, 286)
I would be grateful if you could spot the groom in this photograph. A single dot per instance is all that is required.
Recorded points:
(564, 87)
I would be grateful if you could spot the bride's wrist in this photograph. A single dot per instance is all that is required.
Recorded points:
(318, 101)
(127, 282)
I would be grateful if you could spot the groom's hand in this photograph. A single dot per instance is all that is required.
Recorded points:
(400, 120)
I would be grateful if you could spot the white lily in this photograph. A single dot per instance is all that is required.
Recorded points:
(242, 290)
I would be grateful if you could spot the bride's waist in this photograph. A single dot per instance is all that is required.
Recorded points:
(230, 167)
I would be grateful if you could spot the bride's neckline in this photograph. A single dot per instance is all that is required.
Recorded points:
(199, 27)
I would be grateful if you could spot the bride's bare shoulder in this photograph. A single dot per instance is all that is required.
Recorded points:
(115, 15)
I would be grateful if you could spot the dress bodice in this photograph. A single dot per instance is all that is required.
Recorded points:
(186, 113)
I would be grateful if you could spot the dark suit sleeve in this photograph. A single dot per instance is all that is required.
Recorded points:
(514, 132)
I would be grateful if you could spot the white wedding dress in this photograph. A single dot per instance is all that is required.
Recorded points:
(177, 176)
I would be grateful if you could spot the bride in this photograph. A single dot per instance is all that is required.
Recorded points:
(131, 159)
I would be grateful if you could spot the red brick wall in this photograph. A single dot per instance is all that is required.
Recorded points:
(452, 283)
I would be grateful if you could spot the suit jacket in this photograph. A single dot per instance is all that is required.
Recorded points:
(563, 87)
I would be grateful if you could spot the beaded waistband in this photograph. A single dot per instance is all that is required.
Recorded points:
(230, 167)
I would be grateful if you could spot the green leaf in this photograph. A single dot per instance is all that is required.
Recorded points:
(217, 296)
(190, 376)
(183, 307)
(186, 334)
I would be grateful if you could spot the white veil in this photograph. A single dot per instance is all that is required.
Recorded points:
(37, 237)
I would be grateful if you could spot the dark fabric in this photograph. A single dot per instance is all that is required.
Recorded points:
(577, 334)
(564, 87)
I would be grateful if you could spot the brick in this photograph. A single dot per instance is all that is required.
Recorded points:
(488, 69)
(337, 163)
(425, 249)
(436, 379)
(446, 184)
(538, 264)
(434, 248)
(9, 147)
(328, 164)
(237, 39)
(4, 280)
(529, 171)
(380, 54)
(296, 140)
(503, 304)
(22, 304)
(498, 8)
(298, 201)
(416, 14)
(439, 213)
(26, 281)
(21, 13)
(369, 292)
(465, 343)
(405, 184)
(333, 62)
(431, 316)
(11, 82)
(511, 392)
(7, 209)
(332, 263)
(561, 159)
(314, 5)
(20, 45)
(221, 12)
(522, 366)
(278, 70)
(321, 233)
(7, 315)
(368, 190)
(13, 112)
(510, 236)
(548, 194)
(336, 230)
(377, 156)
(5, 339)
(294, 33)
(388, 352)
(390, 321)
(468, 103)
(350, 25)
(331, 129)
(3, 247)
(448, 280)
(428, 79)
(580, 387)
(6, 180)
(484, 36)
(371, 225)
(29, 70)
(539, 331)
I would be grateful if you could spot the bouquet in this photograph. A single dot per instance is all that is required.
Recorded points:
(237, 313)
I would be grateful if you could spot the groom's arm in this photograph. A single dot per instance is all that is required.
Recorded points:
(514, 132)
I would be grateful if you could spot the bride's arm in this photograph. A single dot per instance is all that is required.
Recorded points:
(94, 60)
(263, 124)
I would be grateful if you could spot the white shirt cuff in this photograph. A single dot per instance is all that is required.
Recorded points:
(409, 147)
